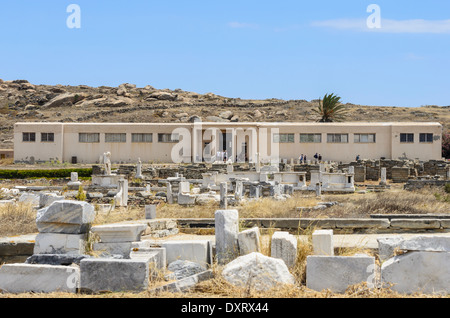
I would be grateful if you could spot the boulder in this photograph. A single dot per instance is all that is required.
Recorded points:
(63, 99)
(257, 271)
(226, 114)
(163, 96)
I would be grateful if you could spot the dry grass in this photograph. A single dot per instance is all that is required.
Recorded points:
(119, 215)
(263, 208)
(427, 200)
(17, 219)
(7, 162)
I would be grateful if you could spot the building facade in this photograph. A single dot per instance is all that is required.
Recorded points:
(240, 142)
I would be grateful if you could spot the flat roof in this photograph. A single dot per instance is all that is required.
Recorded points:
(242, 124)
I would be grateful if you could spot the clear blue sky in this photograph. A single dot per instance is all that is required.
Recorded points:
(249, 48)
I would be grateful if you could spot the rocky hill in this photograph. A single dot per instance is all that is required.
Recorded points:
(22, 101)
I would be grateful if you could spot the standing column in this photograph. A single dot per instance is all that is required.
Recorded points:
(227, 231)
(223, 195)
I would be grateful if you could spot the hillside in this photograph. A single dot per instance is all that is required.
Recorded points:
(22, 101)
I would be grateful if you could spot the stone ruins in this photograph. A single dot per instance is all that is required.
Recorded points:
(127, 255)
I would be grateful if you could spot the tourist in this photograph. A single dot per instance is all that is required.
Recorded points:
(320, 157)
(301, 159)
(357, 157)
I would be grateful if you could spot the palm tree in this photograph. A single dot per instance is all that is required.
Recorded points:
(330, 108)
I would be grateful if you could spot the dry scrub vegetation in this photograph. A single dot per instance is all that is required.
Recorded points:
(17, 219)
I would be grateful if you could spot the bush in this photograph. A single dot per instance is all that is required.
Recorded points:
(447, 188)
(446, 145)
(81, 196)
(51, 173)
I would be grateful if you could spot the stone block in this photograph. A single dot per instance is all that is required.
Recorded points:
(29, 198)
(65, 216)
(57, 243)
(198, 251)
(423, 272)
(55, 259)
(362, 223)
(45, 199)
(435, 243)
(186, 199)
(337, 273)
(226, 233)
(150, 212)
(416, 223)
(115, 275)
(156, 255)
(114, 248)
(322, 241)
(117, 233)
(284, 246)
(249, 241)
(26, 278)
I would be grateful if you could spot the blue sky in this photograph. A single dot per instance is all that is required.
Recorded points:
(247, 49)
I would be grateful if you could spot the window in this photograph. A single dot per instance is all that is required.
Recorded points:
(168, 137)
(47, 137)
(316, 138)
(89, 137)
(141, 137)
(29, 136)
(116, 137)
(406, 137)
(369, 138)
(426, 138)
(283, 138)
(337, 138)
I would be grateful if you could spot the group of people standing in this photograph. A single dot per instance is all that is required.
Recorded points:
(317, 157)
(222, 156)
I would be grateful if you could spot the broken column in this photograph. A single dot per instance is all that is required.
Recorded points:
(239, 190)
(226, 232)
(169, 195)
(223, 195)
(318, 190)
(383, 176)
(257, 163)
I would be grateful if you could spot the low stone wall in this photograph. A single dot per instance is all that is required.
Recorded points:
(339, 225)
(419, 184)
